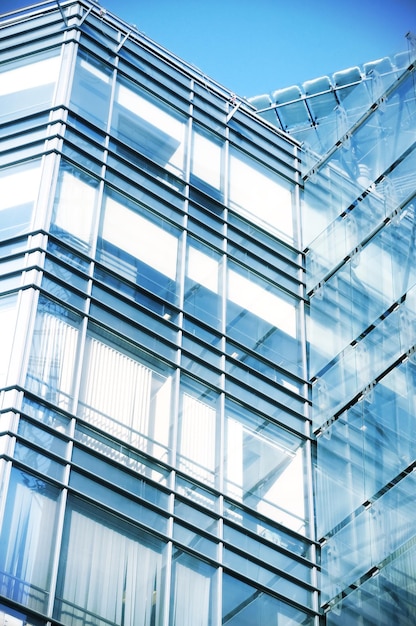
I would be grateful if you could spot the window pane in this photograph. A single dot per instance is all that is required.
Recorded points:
(75, 207)
(140, 246)
(197, 431)
(206, 163)
(26, 87)
(261, 195)
(53, 352)
(19, 190)
(262, 317)
(7, 324)
(264, 467)
(107, 400)
(193, 591)
(202, 284)
(27, 540)
(91, 90)
(149, 126)
(244, 605)
(110, 572)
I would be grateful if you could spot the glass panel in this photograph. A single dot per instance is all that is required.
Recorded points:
(193, 591)
(261, 195)
(384, 599)
(112, 449)
(266, 528)
(120, 584)
(244, 605)
(7, 324)
(267, 554)
(53, 353)
(192, 515)
(257, 573)
(206, 163)
(111, 373)
(46, 415)
(19, 191)
(197, 494)
(75, 207)
(202, 284)
(43, 438)
(139, 245)
(124, 479)
(91, 89)
(194, 540)
(10, 617)
(197, 432)
(115, 500)
(39, 462)
(149, 126)
(264, 467)
(27, 540)
(263, 318)
(26, 87)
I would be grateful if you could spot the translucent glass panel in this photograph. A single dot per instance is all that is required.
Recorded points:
(379, 532)
(126, 395)
(367, 447)
(260, 195)
(382, 600)
(360, 364)
(383, 137)
(91, 89)
(8, 306)
(264, 467)
(26, 87)
(347, 231)
(139, 245)
(75, 207)
(149, 126)
(120, 584)
(19, 192)
(27, 540)
(364, 289)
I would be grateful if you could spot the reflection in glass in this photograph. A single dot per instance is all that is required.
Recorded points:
(206, 163)
(202, 284)
(91, 89)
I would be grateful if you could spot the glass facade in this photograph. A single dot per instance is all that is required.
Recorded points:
(359, 211)
(207, 369)
(155, 444)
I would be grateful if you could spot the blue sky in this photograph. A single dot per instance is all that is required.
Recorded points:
(257, 46)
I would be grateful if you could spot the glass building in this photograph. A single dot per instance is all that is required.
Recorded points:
(208, 321)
